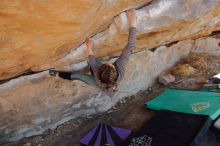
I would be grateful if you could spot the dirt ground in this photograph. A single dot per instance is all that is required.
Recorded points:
(128, 113)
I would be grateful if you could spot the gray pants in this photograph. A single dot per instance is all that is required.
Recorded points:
(86, 78)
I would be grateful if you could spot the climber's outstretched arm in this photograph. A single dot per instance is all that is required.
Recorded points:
(91, 57)
(121, 62)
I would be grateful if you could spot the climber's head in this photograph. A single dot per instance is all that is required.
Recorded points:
(107, 74)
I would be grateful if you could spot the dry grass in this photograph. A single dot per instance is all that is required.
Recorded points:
(183, 70)
(189, 66)
(198, 60)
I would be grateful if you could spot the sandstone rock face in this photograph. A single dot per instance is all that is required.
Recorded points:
(166, 79)
(37, 35)
(32, 104)
(36, 32)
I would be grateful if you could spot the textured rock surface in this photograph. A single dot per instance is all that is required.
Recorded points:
(166, 79)
(36, 32)
(31, 104)
(36, 35)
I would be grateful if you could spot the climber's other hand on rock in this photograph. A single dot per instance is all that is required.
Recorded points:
(88, 43)
(131, 15)
(89, 46)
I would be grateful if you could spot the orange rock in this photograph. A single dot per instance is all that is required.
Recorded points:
(38, 32)
(160, 23)
(38, 35)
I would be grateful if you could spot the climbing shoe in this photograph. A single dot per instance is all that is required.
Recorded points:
(53, 72)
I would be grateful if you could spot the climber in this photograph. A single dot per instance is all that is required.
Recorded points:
(105, 75)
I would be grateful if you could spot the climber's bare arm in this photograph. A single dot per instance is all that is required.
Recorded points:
(131, 15)
(89, 46)
(91, 57)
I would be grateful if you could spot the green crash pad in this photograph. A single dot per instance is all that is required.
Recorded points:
(185, 101)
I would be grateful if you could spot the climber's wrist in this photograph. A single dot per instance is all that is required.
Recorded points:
(133, 24)
(131, 15)
(89, 51)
